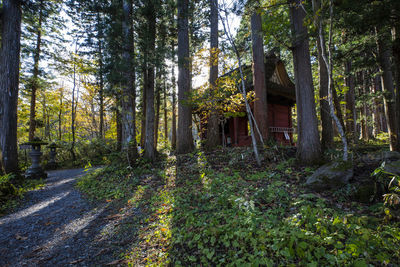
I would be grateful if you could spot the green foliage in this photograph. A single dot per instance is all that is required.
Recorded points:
(390, 184)
(222, 217)
(94, 152)
(116, 181)
(234, 223)
(12, 189)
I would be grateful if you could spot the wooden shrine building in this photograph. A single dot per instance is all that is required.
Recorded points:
(281, 97)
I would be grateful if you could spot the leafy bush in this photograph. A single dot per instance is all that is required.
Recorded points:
(390, 184)
(94, 151)
(7, 188)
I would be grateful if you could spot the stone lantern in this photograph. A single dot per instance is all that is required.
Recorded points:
(52, 164)
(35, 171)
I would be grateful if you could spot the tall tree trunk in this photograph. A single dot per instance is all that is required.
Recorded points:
(242, 88)
(387, 85)
(364, 108)
(329, 65)
(326, 120)
(173, 130)
(144, 96)
(165, 110)
(158, 104)
(396, 57)
(101, 78)
(350, 103)
(60, 112)
(73, 108)
(376, 116)
(9, 78)
(118, 120)
(128, 105)
(149, 148)
(185, 138)
(213, 121)
(260, 89)
(35, 76)
(308, 145)
(46, 122)
(338, 107)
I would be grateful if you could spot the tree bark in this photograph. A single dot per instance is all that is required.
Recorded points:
(329, 65)
(338, 107)
(364, 108)
(308, 145)
(128, 110)
(396, 57)
(9, 78)
(60, 112)
(144, 96)
(118, 121)
(35, 76)
(326, 120)
(173, 130)
(376, 114)
(73, 107)
(350, 103)
(212, 140)
(185, 138)
(388, 87)
(165, 110)
(149, 148)
(260, 89)
(101, 79)
(158, 104)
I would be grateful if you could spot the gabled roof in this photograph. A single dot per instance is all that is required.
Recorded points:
(279, 85)
(277, 79)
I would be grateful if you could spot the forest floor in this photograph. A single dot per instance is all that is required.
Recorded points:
(56, 226)
(207, 209)
(220, 209)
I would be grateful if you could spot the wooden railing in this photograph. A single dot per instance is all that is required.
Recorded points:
(281, 130)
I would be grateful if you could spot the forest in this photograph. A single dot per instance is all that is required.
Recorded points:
(200, 133)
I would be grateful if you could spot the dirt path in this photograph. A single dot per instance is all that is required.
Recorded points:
(56, 226)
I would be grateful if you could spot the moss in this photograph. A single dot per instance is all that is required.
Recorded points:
(341, 166)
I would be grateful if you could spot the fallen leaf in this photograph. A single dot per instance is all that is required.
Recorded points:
(76, 261)
(113, 216)
(101, 252)
(114, 262)
(19, 237)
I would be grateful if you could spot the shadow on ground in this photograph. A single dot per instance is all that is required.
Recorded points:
(56, 226)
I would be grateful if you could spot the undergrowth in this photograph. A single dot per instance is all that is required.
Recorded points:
(201, 210)
(13, 189)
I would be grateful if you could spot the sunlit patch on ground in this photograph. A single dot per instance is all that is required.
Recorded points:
(33, 209)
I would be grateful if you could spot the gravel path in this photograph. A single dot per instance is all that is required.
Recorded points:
(56, 226)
